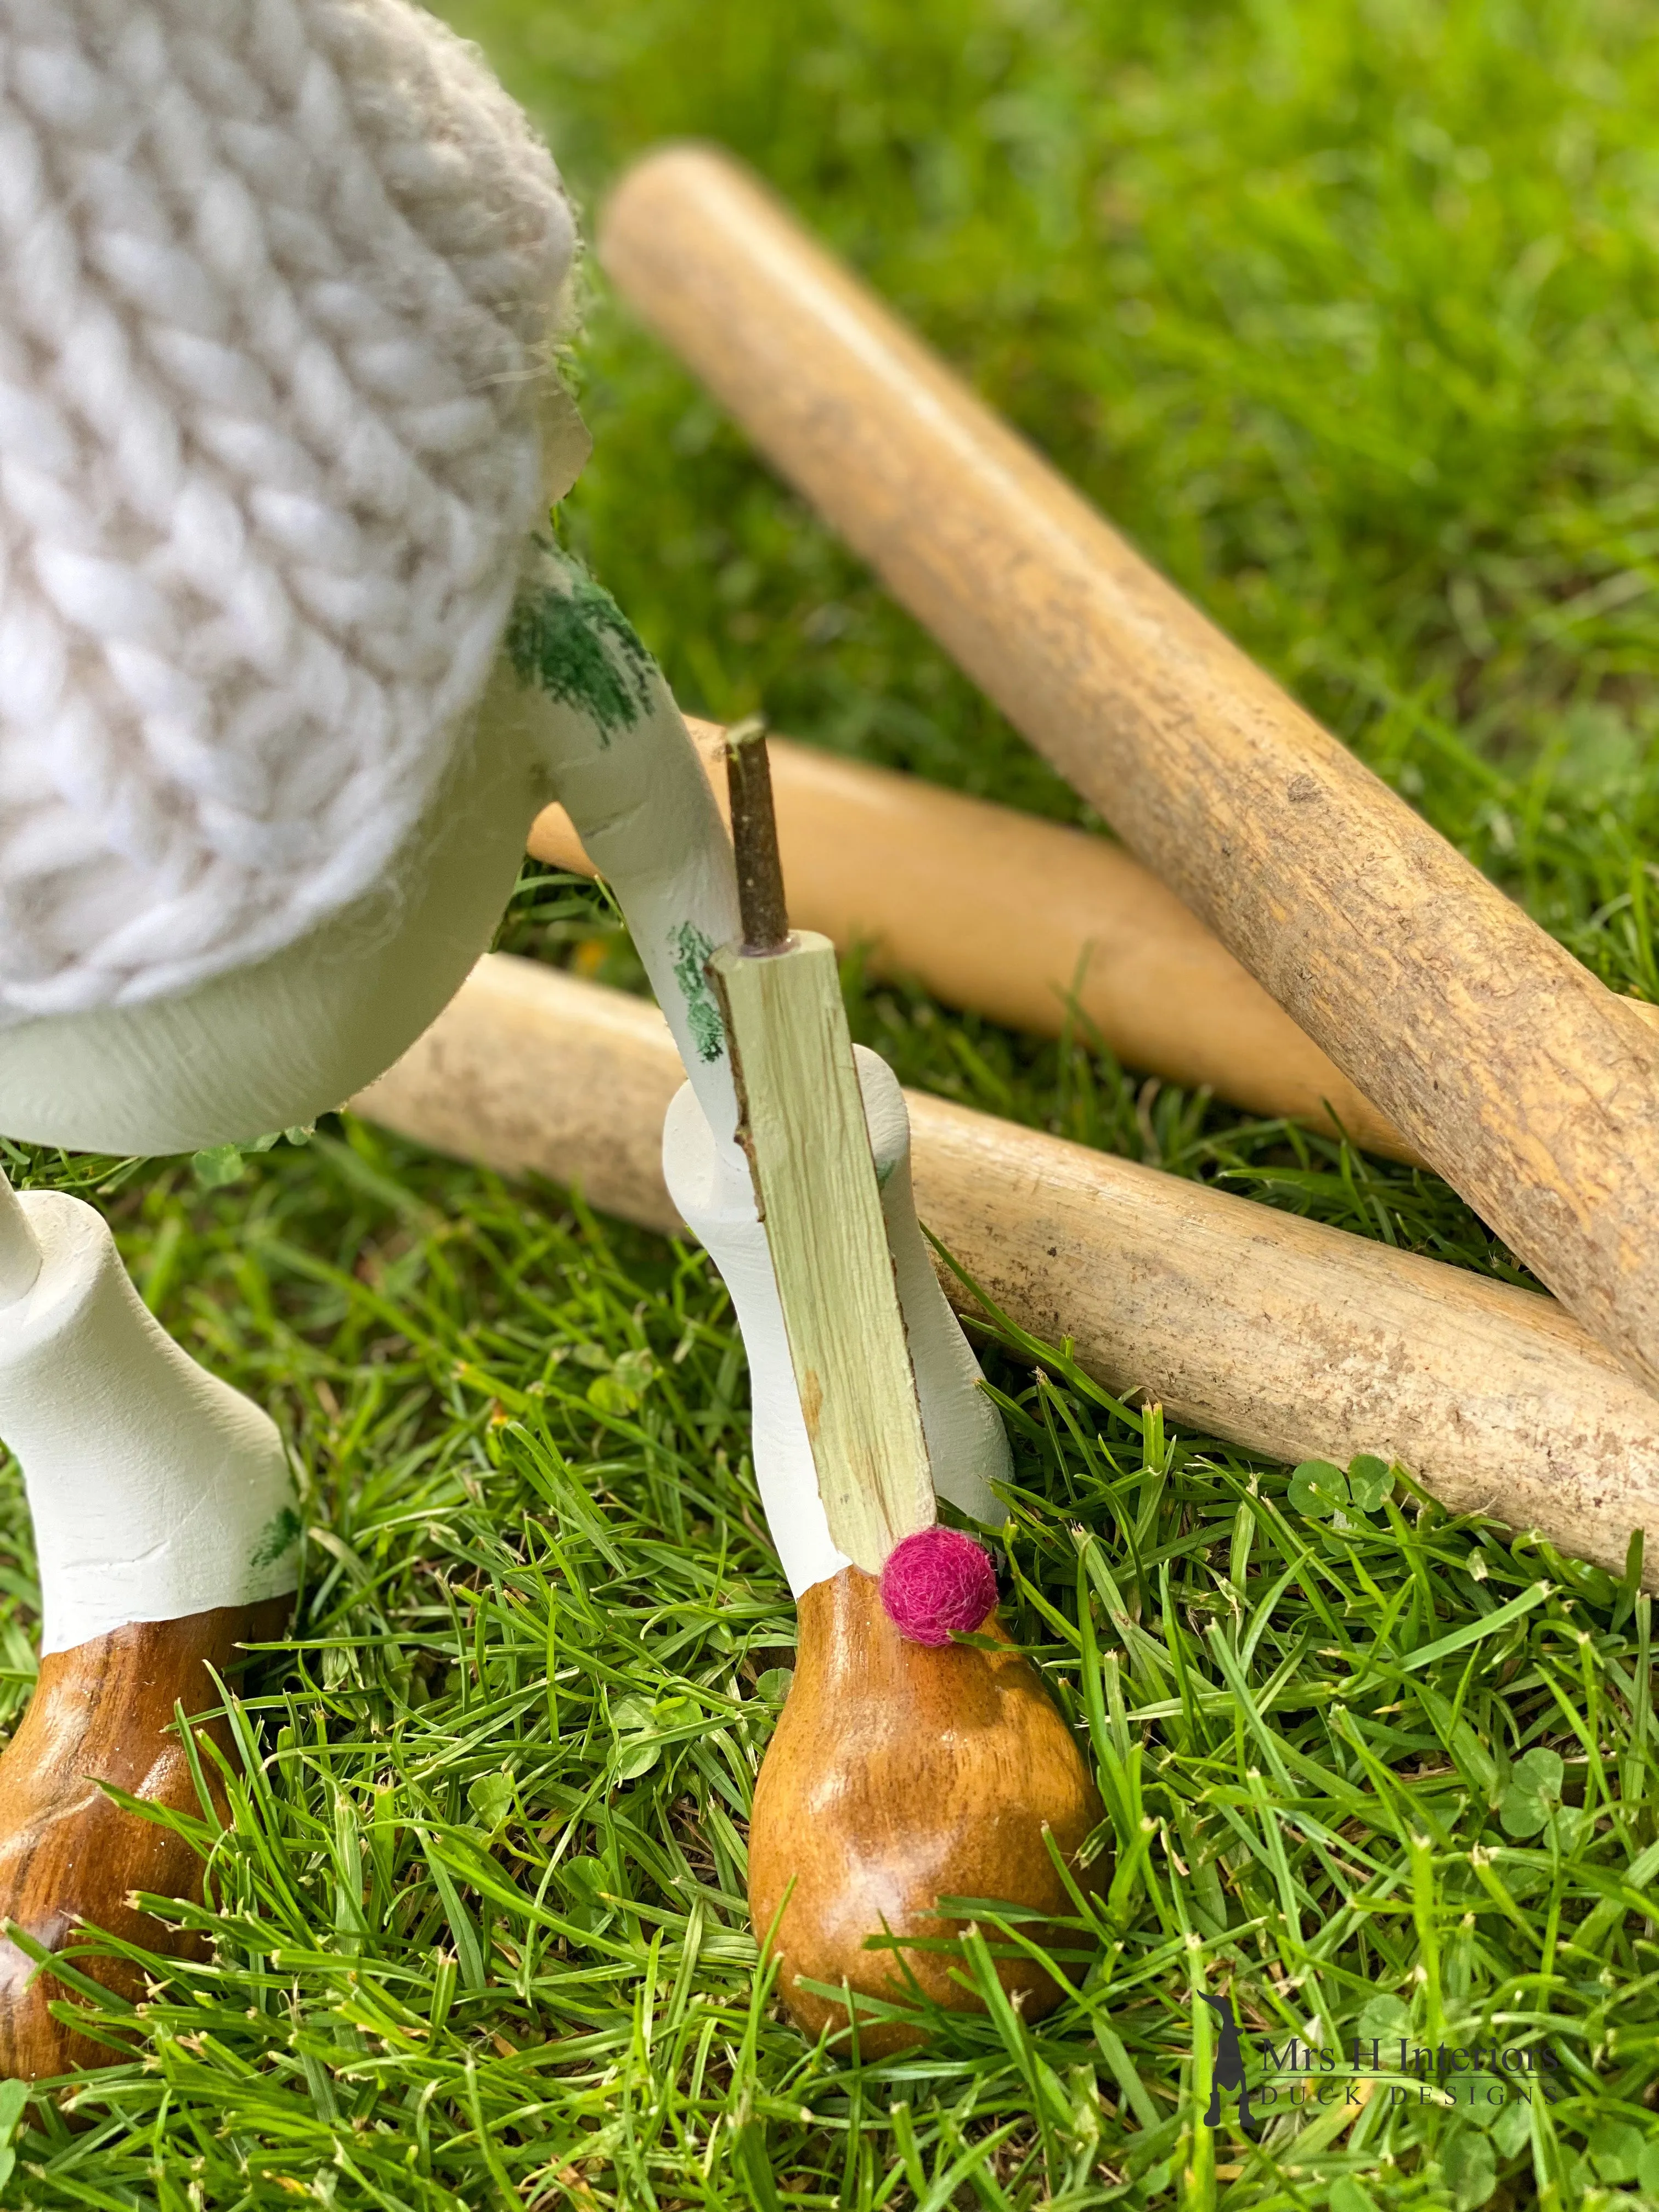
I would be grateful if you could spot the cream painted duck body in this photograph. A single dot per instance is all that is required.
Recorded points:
(287, 665)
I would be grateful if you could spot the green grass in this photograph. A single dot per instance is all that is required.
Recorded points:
(1345, 312)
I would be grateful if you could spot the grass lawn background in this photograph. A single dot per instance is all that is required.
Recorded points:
(1347, 314)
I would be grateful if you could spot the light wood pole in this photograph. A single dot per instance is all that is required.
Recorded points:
(1292, 1338)
(1034, 924)
(1501, 1060)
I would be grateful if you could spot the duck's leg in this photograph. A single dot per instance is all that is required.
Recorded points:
(167, 1533)
(906, 1769)
(903, 1768)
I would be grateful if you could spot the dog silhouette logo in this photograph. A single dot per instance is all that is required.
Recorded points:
(1229, 2070)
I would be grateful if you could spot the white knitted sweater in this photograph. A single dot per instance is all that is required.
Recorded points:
(274, 276)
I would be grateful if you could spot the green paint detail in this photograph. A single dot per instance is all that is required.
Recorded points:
(573, 641)
(692, 950)
(279, 1534)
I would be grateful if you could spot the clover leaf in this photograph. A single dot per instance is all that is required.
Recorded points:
(1534, 1793)
(1471, 2170)
(641, 1724)
(1318, 1489)
(491, 1797)
(1322, 1491)
(621, 1390)
(1370, 1481)
(585, 1885)
(1615, 2149)
(1383, 2018)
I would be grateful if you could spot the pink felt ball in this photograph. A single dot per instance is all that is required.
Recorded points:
(937, 1583)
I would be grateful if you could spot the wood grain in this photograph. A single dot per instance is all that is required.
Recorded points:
(1281, 1335)
(1503, 1062)
(1020, 919)
(801, 1121)
(103, 1712)
(897, 1776)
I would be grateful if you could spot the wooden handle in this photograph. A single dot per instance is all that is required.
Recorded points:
(1281, 1335)
(897, 1776)
(1528, 1084)
(1013, 917)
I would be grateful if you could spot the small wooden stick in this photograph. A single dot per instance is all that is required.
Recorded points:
(1279, 1334)
(801, 1122)
(1529, 1086)
(755, 840)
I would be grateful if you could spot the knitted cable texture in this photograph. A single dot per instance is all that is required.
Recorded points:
(275, 279)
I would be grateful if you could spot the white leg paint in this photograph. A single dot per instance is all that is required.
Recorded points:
(966, 1444)
(628, 775)
(157, 1491)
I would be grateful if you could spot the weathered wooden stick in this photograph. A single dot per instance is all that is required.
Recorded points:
(1015, 917)
(1512, 1070)
(1281, 1335)
(1009, 915)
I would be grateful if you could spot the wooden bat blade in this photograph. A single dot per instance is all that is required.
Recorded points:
(801, 1121)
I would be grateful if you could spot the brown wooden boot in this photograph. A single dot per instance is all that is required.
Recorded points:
(103, 1711)
(897, 1776)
